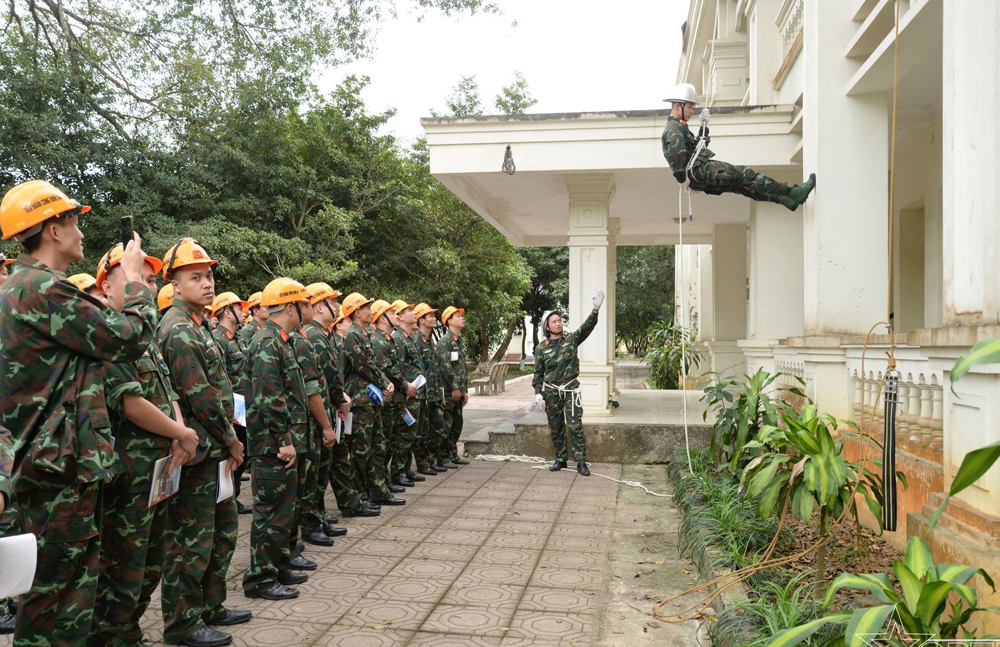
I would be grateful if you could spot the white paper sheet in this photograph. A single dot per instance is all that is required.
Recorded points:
(165, 483)
(349, 424)
(239, 410)
(420, 381)
(454, 355)
(18, 555)
(225, 488)
(338, 429)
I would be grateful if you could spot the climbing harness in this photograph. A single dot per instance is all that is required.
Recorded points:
(539, 463)
(577, 396)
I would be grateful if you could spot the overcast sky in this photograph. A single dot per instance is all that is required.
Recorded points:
(575, 54)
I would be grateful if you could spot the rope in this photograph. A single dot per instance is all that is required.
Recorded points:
(514, 458)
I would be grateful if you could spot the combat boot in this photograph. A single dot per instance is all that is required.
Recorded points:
(800, 192)
(582, 469)
(557, 465)
(788, 203)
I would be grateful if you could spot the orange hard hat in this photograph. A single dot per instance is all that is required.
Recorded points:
(423, 309)
(113, 257)
(25, 207)
(337, 321)
(379, 308)
(165, 298)
(283, 290)
(253, 301)
(320, 291)
(227, 299)
(399, 305)
(353, 302)
(187, 251)
(449, 311)
(83, 281)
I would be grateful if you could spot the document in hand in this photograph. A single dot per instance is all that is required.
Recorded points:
(349, 424)
(419, 382)
(239, 410)
(225, 488)
(375, 394)
(165, 482)
(338, 429)
(18, 555)
(408, 418)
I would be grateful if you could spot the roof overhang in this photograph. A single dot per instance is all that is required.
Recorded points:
(531, 207)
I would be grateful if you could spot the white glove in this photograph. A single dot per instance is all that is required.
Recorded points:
(705, 115)
(598, 299)
(539, 400)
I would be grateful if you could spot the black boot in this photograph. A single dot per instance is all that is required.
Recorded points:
(405, 482)
(243, 509)
(415, 478)
(300, 563)
(582, 468)
(557, 465)
(230, 617)
(291, 578)
(278, 591)
(205, 636)
(329, 518)
(318, 538)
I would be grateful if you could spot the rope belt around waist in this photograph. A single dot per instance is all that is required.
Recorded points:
(566, 389)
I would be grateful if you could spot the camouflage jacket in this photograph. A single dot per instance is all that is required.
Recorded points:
(557, 361)
(360, 368)
(679, 144)
(432, 365)
(313, 376)
(451, 354)
(234, 355)
(410, 361)
(246, 333)
(388, 361)
(149, 379)
(328, 358)
(277, 413)
(54, 340)
(6, 466)
(337, 344)
(198, 373)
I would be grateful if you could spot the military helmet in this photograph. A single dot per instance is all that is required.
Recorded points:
(26, 206)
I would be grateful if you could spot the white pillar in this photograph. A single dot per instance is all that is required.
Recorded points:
(590, 237)
(729, 298)
(845, 142)
(775, 264)
(971, 163)
(614, 227)
(970, 202)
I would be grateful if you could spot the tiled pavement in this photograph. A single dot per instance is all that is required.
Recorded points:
(490, 554)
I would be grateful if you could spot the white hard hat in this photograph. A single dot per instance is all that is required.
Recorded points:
(683, 92)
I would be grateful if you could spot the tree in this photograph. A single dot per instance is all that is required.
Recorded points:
(515, 99)
(464, 99)
(644, 293)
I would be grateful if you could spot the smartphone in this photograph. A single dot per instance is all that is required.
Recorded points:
(128, 230)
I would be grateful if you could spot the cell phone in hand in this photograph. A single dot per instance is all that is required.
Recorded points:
(128, 230)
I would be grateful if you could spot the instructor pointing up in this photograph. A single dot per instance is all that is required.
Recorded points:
(557, 387)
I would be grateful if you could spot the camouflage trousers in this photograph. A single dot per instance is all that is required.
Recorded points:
(131, 554)
(565, 418)
(368, 450)
(453, 422)
(390, 430)
(406, 440)
(340, 474)
(201, 538)
(421, 445)
(436, 432)
(310, 518)
(241, 433)
(274, 492)
(714, 177)
(59, 608)
(8, 526)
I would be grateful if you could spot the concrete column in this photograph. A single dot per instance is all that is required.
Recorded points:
(971, 163)
(614, 227)
(970, 201)
(845, 143)
(590, 238)
(775, 267)
(706, 285)
(729, 298)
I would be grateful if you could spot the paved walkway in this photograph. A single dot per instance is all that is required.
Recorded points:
(490, 554)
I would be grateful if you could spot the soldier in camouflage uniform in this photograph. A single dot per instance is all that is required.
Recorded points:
(277, 427)
(54, 340)
(335, 462)
(147, 426)
(712, 176)
(228, 309)
(203, 532)
(455, 378)
(409, 449)
(8, 517)
(360, 371)
(258, 316)
(557, 387)
(433, 433)
(320, 435)
(390, 365)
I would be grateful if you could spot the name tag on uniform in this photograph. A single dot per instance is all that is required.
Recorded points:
(454, 355)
